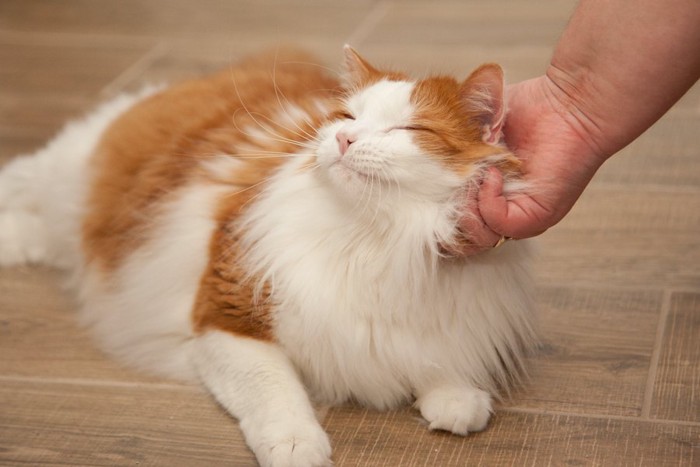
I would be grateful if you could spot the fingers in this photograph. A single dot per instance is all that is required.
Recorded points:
(475, 236)
(490, 215)
(479, 237)
(493, 205)
(520, 217)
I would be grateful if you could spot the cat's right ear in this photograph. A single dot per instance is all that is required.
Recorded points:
(483, 92)
(357, 71)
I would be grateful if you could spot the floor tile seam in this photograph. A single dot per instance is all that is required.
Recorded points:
(373, 17)
(656, 354)
(646, 188)
(546, 282)
(130, 73)
(74, 39)
(596, 416)
(589, 286)
(90, 382)
(604, 287)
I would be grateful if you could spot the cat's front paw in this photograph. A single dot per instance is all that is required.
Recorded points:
(457, 409)
(296, 444)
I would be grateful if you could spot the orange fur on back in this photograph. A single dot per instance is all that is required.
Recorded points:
(156, 148)
(163, 143)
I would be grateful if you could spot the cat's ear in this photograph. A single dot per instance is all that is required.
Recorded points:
(357, 70)
(483, 92)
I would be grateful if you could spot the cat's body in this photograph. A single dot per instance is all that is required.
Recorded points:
(254, 231)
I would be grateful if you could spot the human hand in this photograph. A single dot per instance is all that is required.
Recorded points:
(558, 159)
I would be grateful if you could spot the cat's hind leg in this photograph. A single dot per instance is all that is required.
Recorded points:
(42, 195)
(458, 409)
(22, 233)
(255, 382)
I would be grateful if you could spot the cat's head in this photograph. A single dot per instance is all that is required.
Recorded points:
(427, 138)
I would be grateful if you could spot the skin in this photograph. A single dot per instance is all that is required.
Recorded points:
(617, 68)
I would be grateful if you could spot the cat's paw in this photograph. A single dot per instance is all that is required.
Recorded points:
(22, 238)
(457, 409)
(294, 444)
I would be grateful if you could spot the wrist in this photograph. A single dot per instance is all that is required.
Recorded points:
(571, 97)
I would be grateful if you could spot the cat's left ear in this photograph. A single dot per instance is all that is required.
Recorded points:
(483, 92)
(357, 70)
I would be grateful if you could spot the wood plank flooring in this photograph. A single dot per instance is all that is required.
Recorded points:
(617, 381)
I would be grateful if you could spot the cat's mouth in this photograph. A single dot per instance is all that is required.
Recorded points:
(348, 170)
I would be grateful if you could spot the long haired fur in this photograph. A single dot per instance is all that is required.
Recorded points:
(278, 234)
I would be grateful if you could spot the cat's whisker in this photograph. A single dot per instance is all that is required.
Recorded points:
(380, 201)
(279, 93)
(370, 198)
(276, 123)
(262, 126)
(268, 156)
(272, 135)
(257, 153)
(388, 174)
(247, 188)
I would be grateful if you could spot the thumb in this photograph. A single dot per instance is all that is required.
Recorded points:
(493, 205)
(520, 217)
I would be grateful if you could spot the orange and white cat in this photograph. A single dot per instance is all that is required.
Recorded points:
(280, 236)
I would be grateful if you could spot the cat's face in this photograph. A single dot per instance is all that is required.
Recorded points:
(425, 139)
(371, 146)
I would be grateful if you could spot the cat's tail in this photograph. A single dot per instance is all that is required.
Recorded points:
(42, 195)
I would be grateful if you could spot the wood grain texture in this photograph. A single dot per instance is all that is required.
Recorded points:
(638, 238)
(596, 351)
(44, 83)
(665, 155)
(456, 37)
(40, 336)
(74, 424)
(369, 438)
(57, 70)
(677, 387)
(627, 255)
(480, 21)
(158, 18)
(14, 142)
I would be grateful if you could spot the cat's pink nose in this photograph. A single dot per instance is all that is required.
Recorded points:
(344, 141)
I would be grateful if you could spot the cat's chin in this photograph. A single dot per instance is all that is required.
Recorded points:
(348, 180)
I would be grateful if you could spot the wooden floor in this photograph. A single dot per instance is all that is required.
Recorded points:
(618, 379)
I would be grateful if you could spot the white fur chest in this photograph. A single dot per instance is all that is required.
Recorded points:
(369, 312)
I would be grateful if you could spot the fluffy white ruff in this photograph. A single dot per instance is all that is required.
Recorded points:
(364, 304)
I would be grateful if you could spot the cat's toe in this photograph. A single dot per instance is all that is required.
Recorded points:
(297, 447)
(458, 410)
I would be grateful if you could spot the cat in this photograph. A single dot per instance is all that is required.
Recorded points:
(281, 235)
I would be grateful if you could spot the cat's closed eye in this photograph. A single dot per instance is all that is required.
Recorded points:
(342, 115)
(414, 128)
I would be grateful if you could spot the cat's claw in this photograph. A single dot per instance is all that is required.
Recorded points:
(456, 409)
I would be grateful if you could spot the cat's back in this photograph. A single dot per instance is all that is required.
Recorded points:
(254, 112)
(165, 181)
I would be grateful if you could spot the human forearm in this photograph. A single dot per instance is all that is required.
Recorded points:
(620, 64)
(618, 67)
